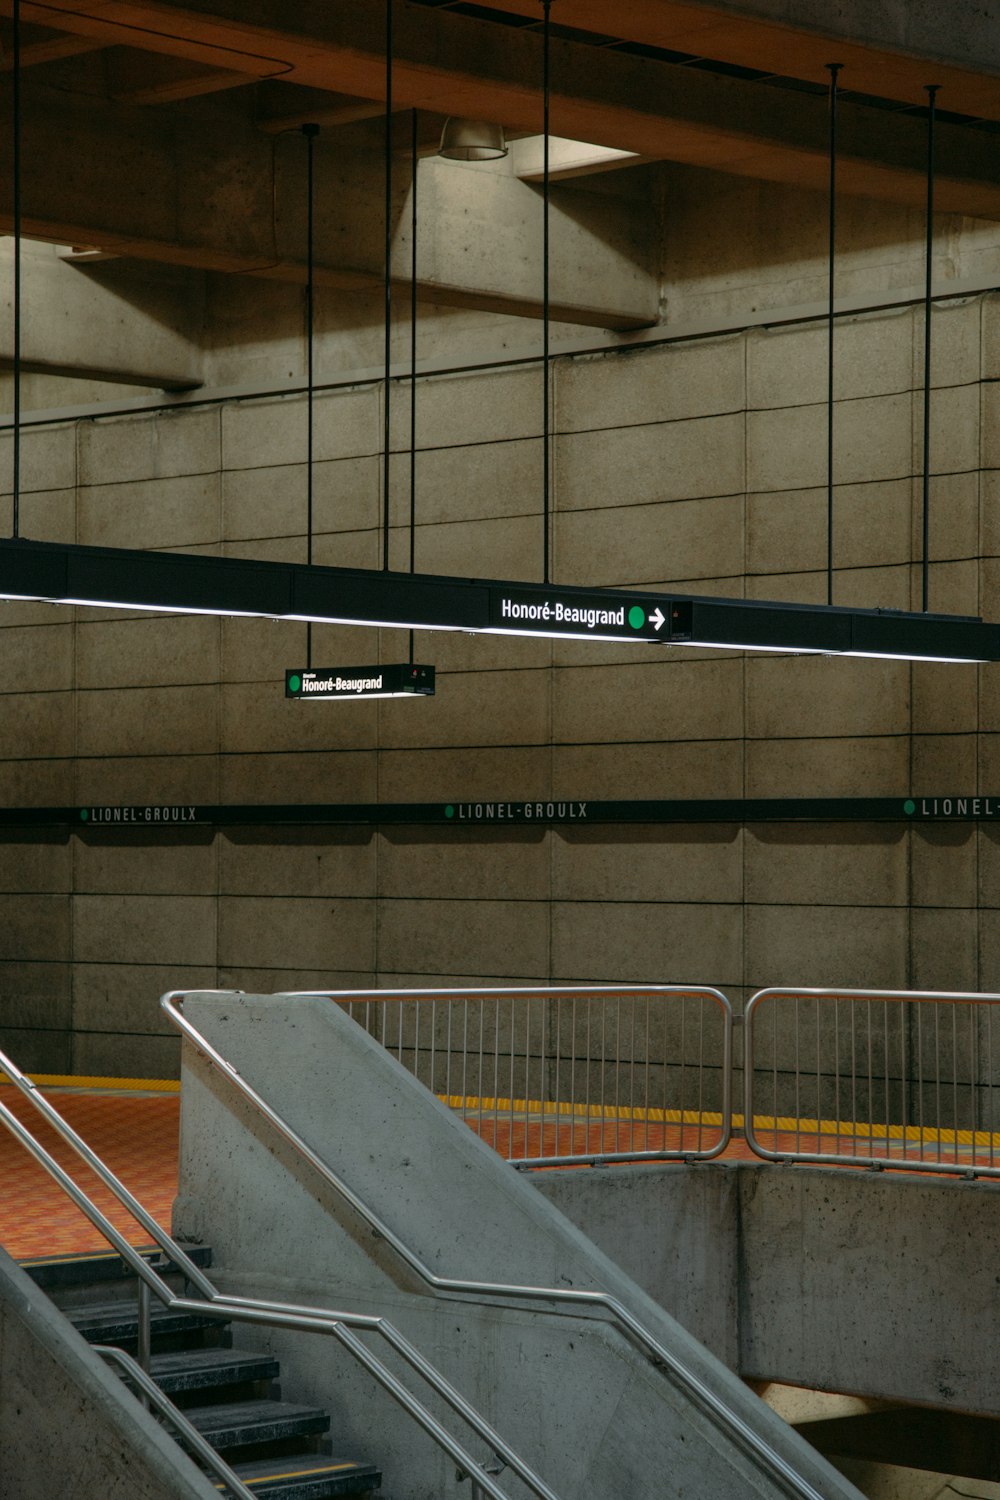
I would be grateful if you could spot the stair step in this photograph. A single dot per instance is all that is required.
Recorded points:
(239, 1423)
(308, 1476)
(199, 1369)
(56, 1272)
(118, 1322)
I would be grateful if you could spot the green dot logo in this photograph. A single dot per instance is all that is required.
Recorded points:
(909, 807)
(84, 814)
(637, 617)
(294, 684)
(449, 811)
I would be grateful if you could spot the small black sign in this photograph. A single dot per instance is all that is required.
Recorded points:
(398, 680)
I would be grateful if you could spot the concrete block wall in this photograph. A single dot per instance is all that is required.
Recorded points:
(698, 464)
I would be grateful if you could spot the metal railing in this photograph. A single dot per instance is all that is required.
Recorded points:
(562, 1076)
(906, 1079)
(340, 1325)
(559, 1298)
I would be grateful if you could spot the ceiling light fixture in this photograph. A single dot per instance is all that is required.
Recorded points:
(472, 140)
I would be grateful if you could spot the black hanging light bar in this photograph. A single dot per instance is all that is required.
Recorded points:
(186, 583)
(399, 679)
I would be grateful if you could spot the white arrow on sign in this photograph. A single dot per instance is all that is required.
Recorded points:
(657, 620)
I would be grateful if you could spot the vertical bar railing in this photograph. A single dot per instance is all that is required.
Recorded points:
(592, 1074)
(901, 1078)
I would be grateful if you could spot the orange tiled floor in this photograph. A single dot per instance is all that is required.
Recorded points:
(136, 1135)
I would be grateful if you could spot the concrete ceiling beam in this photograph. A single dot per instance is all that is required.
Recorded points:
(120, 322)
(146, 79)
(212, 192)
(450, 64)
(890, 50)
(39, 45)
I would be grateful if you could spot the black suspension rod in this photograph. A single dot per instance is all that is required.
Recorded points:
(546, 415)
(413, 350)
(16, 186)
(310, 132)
(932, 90)
(386, 409)
(834, 71)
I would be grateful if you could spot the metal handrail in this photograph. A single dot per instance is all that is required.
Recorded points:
(337, 1324)
(760, 1450)
(588, 994)
(208, 1455)
(819, 1158)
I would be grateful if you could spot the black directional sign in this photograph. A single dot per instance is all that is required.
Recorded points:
(604, 614)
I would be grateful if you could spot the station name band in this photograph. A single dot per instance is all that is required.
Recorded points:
(954, 807)
(516, 812)
(557, 614)
(154, 813)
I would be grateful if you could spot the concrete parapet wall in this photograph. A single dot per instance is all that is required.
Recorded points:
(875, 1284)
(575, 1397)
(67, 1424)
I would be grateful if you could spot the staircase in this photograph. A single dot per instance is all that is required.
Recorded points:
(281, 1450)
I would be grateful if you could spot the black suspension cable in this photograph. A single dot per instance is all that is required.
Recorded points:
(546, 417)
(932, 90)
(413, 351)
(310, 132)
(16, 184)
(386, 408)
(834, 70)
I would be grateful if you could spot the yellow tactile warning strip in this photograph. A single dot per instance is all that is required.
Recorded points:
(136, 1134)
(120, 1085)
(298, 1474)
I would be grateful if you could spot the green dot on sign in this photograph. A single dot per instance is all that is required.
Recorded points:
(909, 806)
(84, 815)
(449, 811)
(294, 683)
(637, 617)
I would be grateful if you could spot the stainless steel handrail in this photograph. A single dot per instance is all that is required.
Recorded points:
(818, 1158)
(659, 1354)
(216, 1304)
(151, 1391)
(565, 1105)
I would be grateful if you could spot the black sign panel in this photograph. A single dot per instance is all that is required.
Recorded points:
(605, 614)
(321, 684)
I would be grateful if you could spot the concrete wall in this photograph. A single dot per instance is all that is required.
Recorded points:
(878, 1285)
(573, 1396)
(67, 1424)
(699, 464)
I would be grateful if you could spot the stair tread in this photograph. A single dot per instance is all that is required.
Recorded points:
(191, 1368)
(55, 1272)
(126, 1314)
(307, 1473)
(301, 1463)
(247, 1418)
(96, 1318)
